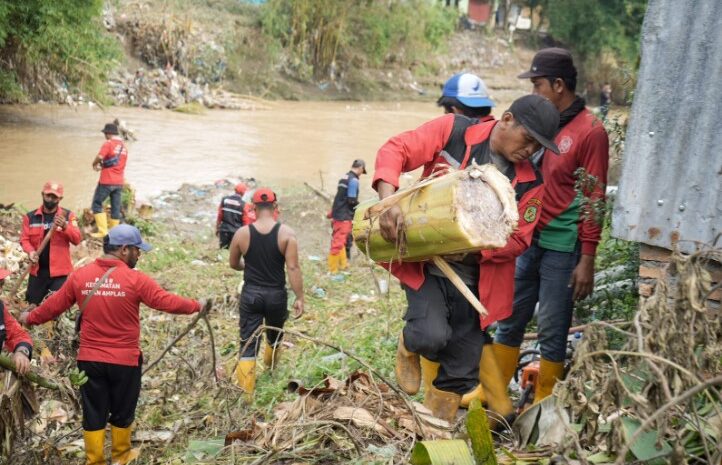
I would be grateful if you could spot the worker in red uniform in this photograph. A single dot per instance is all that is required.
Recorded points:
(263, 249)
(466, 94)
(231, 215)
(441, 325)
(342, 211)
(558, 268)
(13, 336)
(110, 161)
(109, 293)
(52, 265)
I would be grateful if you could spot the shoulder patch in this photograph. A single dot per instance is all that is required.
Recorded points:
(532, 210)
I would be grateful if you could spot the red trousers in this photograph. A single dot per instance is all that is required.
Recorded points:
(341, 230)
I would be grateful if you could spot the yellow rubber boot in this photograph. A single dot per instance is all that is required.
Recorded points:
(333, 263)
(94, 442)
(101, 222)
(408, 368)
(443, 404)
(429, 371)
(507, 359)
(495, 389)
(112, 222)
(342, 260)
(121, 452)
(476, 393)
(271, 355)
(246, 376)
(549, 373)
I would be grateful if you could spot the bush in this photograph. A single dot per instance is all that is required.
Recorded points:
(44, 43)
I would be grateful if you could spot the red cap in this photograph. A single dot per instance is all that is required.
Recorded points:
(4, 273)
(264, 195)
(53, 187)
(241, 188)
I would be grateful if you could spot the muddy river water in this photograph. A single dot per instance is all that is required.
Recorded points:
(287, 144)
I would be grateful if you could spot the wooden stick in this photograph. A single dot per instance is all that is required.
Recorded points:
(43, 244)
(580, 328)
(460, 285)
(320, 193)
(8, 363)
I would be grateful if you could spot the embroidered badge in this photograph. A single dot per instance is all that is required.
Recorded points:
(530, 213)
(565, 144)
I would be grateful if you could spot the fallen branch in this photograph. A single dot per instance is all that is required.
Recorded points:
(8, 363)
(201, 314)
(580, 328)
(319, 192)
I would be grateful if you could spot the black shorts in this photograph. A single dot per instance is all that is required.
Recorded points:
(259, 304)
(110, 395)
(42, 285)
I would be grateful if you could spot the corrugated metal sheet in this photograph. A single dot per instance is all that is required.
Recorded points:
(671, 184)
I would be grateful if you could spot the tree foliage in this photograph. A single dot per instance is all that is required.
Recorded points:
(43, 42)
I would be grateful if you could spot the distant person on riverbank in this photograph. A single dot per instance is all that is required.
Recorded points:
(231, 215)
(52, 265)
(110, 161)
(263, 249)
(466, 94)
(342, 217)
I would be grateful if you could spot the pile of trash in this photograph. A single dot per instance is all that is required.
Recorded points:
(361, 418)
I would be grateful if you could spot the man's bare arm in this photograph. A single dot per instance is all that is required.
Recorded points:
(293, 268)
(238, 244)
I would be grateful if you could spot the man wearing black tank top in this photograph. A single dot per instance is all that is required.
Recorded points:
(262, 249)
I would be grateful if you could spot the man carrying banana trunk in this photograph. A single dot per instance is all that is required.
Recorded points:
(441, 325)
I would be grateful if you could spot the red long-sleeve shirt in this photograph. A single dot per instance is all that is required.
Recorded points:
(34, 231)
(15, 335)
(110, 328)
(421, 147)
(583, 143)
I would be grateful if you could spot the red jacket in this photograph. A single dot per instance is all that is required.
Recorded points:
(15, 336)
(34, 231)
(583, 143)
(110, 328)
(421, 147)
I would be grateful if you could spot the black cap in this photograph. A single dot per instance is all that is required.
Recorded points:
(110, 128)
(539, 117)
(555, 62)
(359, 163)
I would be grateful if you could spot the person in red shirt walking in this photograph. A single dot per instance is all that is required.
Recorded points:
(13, 336)
(110, 161)
(52, 265)
(109, 293)
(266, 250)
(441, 325)
(558, 268)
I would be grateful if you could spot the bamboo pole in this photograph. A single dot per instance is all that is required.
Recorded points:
(460, 285)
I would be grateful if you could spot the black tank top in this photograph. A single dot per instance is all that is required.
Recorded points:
(265, 264)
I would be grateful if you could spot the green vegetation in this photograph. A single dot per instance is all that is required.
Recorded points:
(43, 43)
(322, 35)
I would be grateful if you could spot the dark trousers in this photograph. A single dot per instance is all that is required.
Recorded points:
(542, 276)
(42, 285)
(110, 395)
(257, 304)
(442, 326)
(102, 192)
(224, 239)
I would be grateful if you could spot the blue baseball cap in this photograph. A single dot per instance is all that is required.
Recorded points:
(125, 234)
(468, 89)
